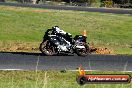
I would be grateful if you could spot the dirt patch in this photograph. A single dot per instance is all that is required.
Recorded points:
(19, 46)
(100, 50)
(34, 47)
(40, 11)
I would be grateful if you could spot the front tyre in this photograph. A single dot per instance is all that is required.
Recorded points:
(47, 48)
(83, 51)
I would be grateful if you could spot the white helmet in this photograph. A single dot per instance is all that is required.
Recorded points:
(58, 30)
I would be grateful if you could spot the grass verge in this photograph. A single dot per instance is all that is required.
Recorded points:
(50, 79)
(103, 29)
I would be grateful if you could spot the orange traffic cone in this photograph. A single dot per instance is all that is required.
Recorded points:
(84, 33)
(81, 71)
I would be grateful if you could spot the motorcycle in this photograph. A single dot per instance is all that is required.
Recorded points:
(54, 44)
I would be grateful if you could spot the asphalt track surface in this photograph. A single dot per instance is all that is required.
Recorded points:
(33, 61)
(104, 10)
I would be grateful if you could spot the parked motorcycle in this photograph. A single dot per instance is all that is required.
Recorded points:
(55, 43)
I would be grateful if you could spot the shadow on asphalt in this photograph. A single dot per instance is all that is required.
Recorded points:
(35, 54)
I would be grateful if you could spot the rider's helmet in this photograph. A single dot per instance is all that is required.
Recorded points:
(55, 27)
(58, 30)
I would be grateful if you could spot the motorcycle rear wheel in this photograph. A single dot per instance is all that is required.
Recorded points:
(47, 48)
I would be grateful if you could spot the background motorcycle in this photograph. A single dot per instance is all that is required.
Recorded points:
(55, 44)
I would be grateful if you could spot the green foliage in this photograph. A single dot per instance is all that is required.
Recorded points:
(119, 1)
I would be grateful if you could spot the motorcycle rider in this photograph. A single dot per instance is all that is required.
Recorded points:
(56, 41)
(62, 33)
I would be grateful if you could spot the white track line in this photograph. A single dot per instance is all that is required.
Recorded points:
(90, 65)
(126, 71)
(10, 69)
(125, 66)
(68, 70)
(99, 70)
(84, 70)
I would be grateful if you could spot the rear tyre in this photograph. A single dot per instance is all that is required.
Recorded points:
(47, 48)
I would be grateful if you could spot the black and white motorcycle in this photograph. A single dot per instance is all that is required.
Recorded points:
(56, 41)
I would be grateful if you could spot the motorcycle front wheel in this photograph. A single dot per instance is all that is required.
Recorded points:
(47, 48)
(82, 52)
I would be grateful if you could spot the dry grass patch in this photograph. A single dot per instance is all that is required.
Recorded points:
(34, 47)
(40, 11)
(19, 46)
